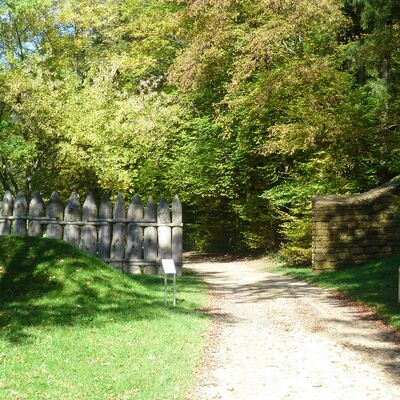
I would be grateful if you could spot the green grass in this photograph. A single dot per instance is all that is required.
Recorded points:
(374, 284)
(71, 327)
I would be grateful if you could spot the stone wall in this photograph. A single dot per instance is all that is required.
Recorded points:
(351, 230)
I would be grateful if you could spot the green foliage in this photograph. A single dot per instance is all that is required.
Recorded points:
(16, 153)
(68, 320)
(80, 83)
(297, 121)
(245, 109)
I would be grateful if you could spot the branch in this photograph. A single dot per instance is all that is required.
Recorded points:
(21, 47)
(3, 106)
(288, 48)
(29, 177)
(7, 179)
(387, 128)
(4, 182)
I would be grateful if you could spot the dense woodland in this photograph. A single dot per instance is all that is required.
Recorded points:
(246, 109)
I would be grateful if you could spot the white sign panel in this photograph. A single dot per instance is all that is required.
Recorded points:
(168, 266)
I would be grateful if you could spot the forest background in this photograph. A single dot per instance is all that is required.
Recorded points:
(246, 109)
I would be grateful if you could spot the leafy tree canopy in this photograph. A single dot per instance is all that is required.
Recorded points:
(246, 109)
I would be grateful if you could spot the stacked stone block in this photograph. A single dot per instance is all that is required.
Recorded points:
(352, 230)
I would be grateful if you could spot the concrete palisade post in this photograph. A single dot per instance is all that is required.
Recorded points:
(88, 240)
(164, 232)
(54, 209)
(20, 207)
(6, 211)
(150, 237)
(118, 236)
(105, 231)
(72, 214)
(177, 234)
(134, 240)
(36, 209)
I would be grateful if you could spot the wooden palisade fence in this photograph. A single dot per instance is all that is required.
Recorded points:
(133, 240)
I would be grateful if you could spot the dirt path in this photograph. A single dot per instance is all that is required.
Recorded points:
(277, 338)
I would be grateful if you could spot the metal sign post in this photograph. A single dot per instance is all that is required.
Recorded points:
(168, 266)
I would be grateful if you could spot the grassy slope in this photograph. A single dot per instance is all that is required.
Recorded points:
(374, 284)
(71, 327)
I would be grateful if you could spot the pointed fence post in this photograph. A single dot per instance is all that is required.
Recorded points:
(134, 241)
(20, 207)
(105, 231)
(118, 236)
(72, 214)
(88, 241)
(164, 232)
(150, 238)
(177, 234)
(36, 209)
(6, 211)
(54, 209)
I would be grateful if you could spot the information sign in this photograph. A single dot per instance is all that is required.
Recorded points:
(168, 267)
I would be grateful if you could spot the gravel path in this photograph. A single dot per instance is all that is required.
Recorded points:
(277, 338)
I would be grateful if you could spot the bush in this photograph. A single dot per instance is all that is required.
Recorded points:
(296, 250)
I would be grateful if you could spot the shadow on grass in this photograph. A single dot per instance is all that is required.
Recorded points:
(51, 283)
(374, 284)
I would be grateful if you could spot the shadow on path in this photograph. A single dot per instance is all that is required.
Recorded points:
(301, 308)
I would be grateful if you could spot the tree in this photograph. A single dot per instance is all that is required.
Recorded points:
(246, 109)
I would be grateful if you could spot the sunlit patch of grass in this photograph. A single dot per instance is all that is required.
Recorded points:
(374, 284)
(72, 327)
